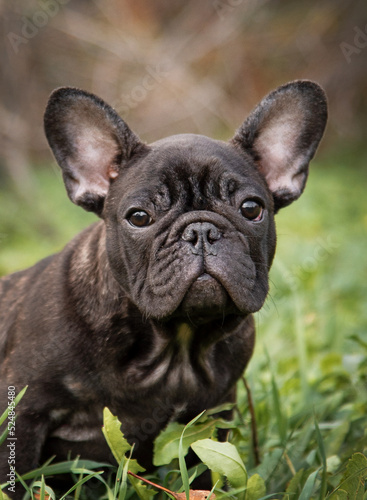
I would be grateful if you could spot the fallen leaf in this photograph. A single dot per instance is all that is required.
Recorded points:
(194, 495)
(37, 496)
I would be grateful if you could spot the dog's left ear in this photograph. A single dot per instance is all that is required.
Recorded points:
(282, 135)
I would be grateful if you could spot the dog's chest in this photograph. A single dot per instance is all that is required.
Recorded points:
(157, 392)
(177, 365)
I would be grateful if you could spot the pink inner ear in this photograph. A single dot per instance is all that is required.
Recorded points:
(92, 162)
(277, 148)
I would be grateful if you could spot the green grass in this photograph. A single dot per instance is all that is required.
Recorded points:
(308, 375)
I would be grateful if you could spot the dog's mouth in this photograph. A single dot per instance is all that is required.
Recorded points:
(202, 269)
(206, 298)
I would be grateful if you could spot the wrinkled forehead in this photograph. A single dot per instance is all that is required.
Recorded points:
(195, 152)
(195, 164)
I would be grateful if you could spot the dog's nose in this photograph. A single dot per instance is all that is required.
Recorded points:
(202, 236)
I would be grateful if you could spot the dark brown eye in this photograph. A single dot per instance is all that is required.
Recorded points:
(252, 210)
(139, 218)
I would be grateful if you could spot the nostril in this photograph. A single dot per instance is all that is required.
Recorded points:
(213, 234)
(190, 234)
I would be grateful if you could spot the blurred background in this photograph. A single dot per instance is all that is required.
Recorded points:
(173, 66)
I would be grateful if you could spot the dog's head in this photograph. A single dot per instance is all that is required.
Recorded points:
(190, 220)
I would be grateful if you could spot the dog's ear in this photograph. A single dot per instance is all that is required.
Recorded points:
(282, 134)
(90, 143)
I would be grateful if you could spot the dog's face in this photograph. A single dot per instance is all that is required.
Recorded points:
(190, 220)
(190, 230)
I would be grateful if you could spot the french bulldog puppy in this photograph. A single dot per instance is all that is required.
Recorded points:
(149, 310)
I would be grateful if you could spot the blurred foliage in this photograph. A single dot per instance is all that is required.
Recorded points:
(173, 66)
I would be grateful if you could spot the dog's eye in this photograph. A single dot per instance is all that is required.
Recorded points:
(139, 218)
(252, 210)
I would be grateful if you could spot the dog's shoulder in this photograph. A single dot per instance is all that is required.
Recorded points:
(21, 288)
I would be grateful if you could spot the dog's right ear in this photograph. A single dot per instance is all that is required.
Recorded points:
(90, 143)
(282, 134)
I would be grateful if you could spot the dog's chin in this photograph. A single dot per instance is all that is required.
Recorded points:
(206, 300)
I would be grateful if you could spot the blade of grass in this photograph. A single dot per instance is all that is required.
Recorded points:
(320, 443)
(279, 415)
(5, 414)
(122, 476)
(84, 480)
(78, 488)
(119, 478)
(212, 490)
(123, 487)
(25, 486)
(66, 467)
(43, 488)
(16, 401)
(301, 345)
(181, 458)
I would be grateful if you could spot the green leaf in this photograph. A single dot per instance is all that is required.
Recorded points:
(339, 495)
(219, 409)
(143, 492)
(256, 488)
(166, 445)
(307, 490)
(119, 447)
(114, 437)
(355, 477)
(223, 458)
(3, 495)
